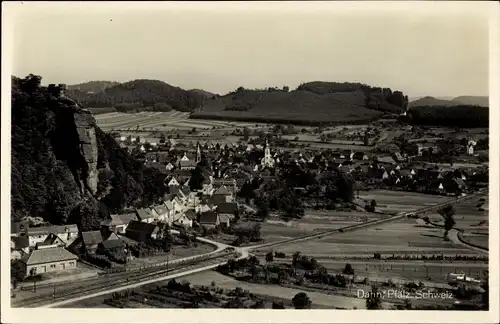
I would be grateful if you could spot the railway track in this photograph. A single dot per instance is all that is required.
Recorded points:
(106, 282)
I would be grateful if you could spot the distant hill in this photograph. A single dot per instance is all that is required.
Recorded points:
(482, 101)
(93, 86)
(311, 103)
(462, 100)
(141, 94)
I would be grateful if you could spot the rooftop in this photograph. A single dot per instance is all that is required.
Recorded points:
(50, 255)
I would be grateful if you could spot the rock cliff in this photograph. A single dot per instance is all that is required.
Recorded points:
(85, 127)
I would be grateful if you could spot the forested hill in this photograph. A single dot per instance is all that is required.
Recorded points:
(64, 167)
(141, 94)
(93, 86)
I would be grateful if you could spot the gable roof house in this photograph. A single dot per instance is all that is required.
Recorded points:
(140, 231)
(52, 239)
(222, 194)
(209, 219)
(185, 219)
(146, 215)
(68, 233)
(164, 213)
(91, 240)
(113, 242)
(49, 260)
(118, 222)
(227, 211)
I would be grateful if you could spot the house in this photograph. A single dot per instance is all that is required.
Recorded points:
(164, 213)
(169, 166)
(118, 222)
(228, 210)
(173, 185)
(68, 233)
(146, 215)
(185, 219)
(19, 246)
(49, 260)
(209, 219)
(91, 240)
(19, 228)
(223, 194)
(141, 231)
(52, 239)
(113, 242)
(202, 208)
(186, 164)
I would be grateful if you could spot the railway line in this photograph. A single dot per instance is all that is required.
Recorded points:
(117, 280)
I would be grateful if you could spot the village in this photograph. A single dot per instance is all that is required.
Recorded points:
(223, 189)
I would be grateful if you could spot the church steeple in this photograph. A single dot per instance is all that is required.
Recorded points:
(198, 153)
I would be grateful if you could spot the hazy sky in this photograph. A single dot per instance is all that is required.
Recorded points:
(421, 51)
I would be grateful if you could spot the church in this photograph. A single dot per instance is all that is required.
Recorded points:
(267, 161)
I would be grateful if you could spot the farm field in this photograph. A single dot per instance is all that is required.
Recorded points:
(319, 300)
(159, 121)
(393, 202)
(312, 222)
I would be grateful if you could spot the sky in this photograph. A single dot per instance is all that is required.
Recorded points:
(422, 50)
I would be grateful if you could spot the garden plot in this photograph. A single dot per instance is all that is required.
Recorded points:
(318, 299)
(402, 237)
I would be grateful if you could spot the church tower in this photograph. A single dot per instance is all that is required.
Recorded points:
(198, 154)
(267, 160)
(267, 151)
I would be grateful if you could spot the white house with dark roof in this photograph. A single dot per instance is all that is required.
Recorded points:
(118, 222)
(67, 233)
(49, 260)
(146, 215)
(164, 213)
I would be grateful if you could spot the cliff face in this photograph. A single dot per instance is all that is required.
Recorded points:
(85, 127)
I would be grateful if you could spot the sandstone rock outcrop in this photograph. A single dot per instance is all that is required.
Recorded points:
(85, 127)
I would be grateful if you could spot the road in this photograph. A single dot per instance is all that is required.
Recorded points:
(240, 252)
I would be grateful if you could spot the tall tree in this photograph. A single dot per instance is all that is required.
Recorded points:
(448, 213)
